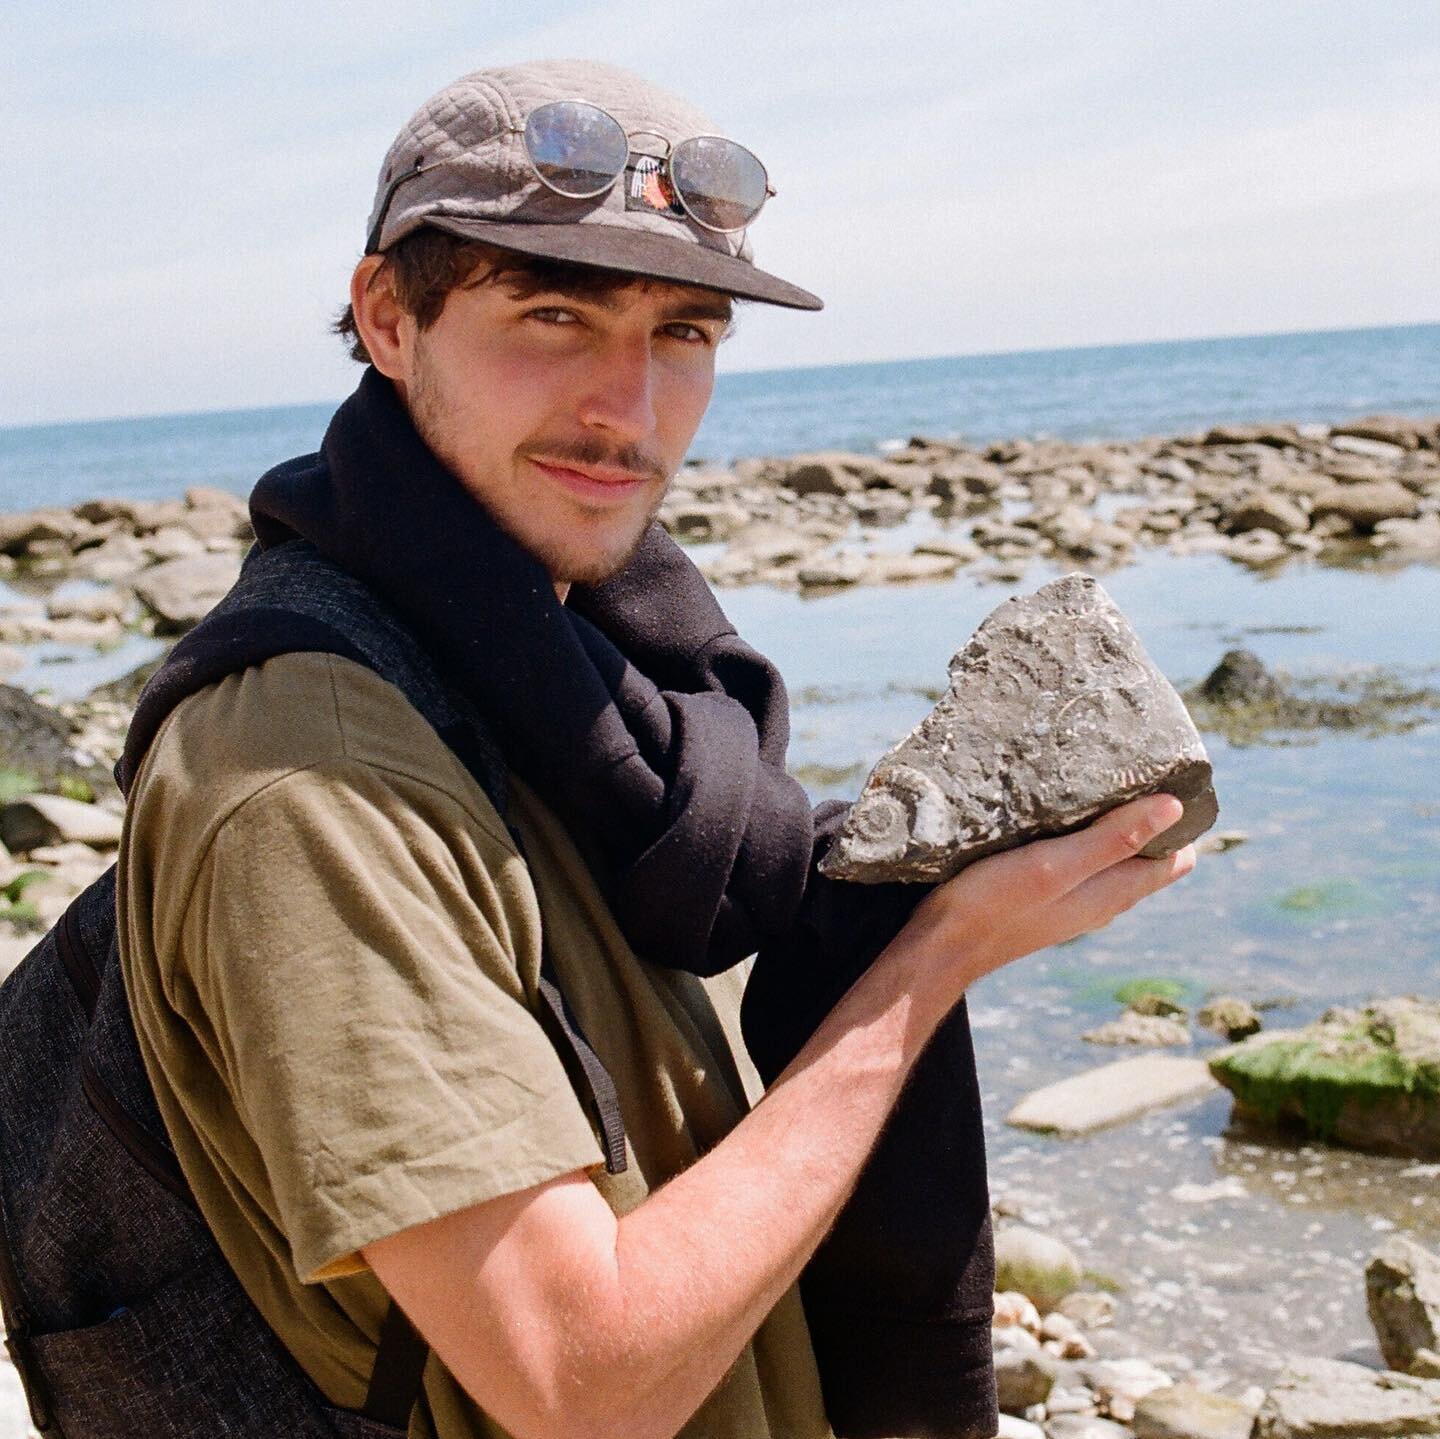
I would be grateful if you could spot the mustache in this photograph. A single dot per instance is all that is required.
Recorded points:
(592, 451)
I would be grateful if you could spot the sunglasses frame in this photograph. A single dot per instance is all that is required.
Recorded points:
(372, 241)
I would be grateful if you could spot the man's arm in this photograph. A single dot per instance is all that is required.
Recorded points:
(560, 1319)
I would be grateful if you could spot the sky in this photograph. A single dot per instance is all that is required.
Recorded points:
(185, 182)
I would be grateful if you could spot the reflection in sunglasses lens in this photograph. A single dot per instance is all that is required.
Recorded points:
(721, 183)
(576, 148)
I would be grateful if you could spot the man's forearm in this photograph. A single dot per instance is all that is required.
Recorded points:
(705, 1258)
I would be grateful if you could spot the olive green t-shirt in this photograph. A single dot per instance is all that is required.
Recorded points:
(331, 949)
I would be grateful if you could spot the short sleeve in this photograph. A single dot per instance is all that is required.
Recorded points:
(350, 958)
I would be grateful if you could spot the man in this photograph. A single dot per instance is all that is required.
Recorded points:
(334, 943)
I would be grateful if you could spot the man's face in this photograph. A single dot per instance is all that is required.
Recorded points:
(565, 415)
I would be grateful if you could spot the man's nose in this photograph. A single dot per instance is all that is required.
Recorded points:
(620, 397)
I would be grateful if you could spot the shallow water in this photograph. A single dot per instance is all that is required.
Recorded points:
(1335, 898)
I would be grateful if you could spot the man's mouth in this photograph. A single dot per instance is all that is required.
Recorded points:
(605, 482)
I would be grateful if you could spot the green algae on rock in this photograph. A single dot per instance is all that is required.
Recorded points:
(1368, 1079)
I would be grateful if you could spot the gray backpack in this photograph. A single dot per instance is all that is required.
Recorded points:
(122, 1316)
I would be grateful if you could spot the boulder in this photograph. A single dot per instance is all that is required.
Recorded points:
(1397, 430)
(1037, 1265)
(1235, 1018)
(1184, 1411)
(1365, 505)
(51, 819)
(1054, 715)
(1402, 1292)
(832, 571)
(1240, 679)
(183, 591)
(697, 521)
(1135, 1028)
(1367, 449)
(22, 533)
(970, 481)
(1022, 1379)
(1369, 1079)
(1330, 1399)
(1112, 1094)
(1266, 511)
(1280, 436)
(896, 569)
(1120, 1384)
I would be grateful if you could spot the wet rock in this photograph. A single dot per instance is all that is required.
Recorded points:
(1330, 1399)
(699, 521)
(1402, 1292)
(1368, 1079)
(1054, 715)
(1364, 506)
(1281, 436)
(896, 569)
(1135, 1028)
(1240, 679)
(182, 592)
(1022, 1380)
(1152, 1001)
(1235, 1018)
(1037, 1265)
(1275, 513)
(827, 473)
(827, 571)
(1183, 1411)
(1090, 1308)
(51, 819)
(1120, 1384)
(1112, 1094)
(1085, 1426)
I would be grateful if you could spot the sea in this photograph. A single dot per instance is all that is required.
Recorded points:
(1118, 391)
(1229, 1249)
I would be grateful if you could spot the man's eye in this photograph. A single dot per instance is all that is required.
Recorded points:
(555, 315)
(693, 334)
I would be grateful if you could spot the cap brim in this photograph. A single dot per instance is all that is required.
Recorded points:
(633, 252)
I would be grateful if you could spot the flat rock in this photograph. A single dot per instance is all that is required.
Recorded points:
(1112, 1094)
(1402, 1291)
(1184, 1411)
(1055, 714)
(1365, 505)
(1365, 1078)
(51, 819)
(1330, 1399)
(1135, 1028)
(1037, 1265)
(183, 591)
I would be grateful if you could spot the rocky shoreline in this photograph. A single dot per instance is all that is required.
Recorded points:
(1367, 492)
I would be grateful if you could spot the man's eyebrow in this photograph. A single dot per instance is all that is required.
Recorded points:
(697, 306)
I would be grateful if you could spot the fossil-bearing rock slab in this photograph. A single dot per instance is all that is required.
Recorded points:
(1054, 715)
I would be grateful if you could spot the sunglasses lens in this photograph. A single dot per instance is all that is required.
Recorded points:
(721, 183)
(576, 148)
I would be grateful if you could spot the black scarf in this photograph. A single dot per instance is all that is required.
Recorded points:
(653, 730)
(634, 710)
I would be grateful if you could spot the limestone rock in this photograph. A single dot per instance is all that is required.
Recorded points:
(1330, 1399)
(1368, 1079)
(183, 591)
(1135, 1028)
(1240, 679)
(1112, 1094)
(1023, 1379)
(51, 819)
(1402, 1291)
(1054, 715)
(1037, 1265)
(1235, 1018)
(1085, 1426)
(1266, 511)
(1365, 505)
(1183, 1411)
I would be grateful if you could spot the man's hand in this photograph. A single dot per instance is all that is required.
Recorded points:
(561, 1320)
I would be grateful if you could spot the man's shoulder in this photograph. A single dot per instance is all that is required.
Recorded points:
(303, 713)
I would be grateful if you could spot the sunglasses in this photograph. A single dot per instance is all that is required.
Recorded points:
(579, 150)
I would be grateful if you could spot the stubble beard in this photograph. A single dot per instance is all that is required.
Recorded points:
(563, 561)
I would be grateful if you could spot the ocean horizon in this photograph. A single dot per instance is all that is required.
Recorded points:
(1112, 391)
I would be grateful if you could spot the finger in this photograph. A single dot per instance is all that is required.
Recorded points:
(1115, 837)
(1122, 886)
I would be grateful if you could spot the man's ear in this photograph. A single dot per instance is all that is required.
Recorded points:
(379, 317)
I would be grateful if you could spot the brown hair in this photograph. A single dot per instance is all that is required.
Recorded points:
(428, 263)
